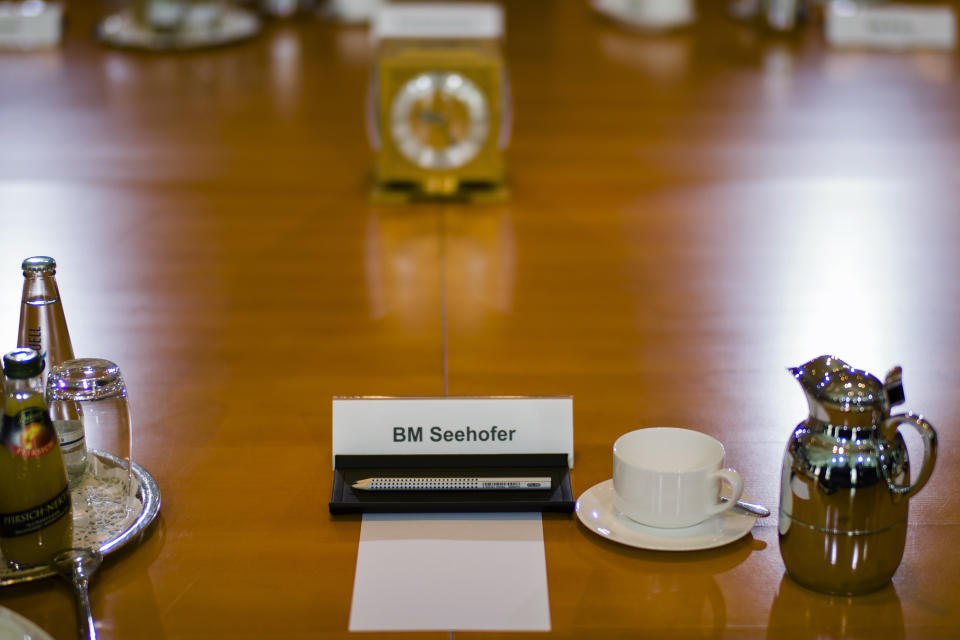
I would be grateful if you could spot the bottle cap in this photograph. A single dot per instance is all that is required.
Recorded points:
(22, 363)
(39, 264)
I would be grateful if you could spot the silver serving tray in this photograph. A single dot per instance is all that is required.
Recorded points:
(149, 493)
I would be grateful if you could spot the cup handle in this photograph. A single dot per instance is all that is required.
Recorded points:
(735, 481)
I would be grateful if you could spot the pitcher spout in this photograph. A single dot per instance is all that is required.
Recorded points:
(812, 376)
(839, 394)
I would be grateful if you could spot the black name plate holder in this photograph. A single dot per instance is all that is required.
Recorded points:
(349, 469)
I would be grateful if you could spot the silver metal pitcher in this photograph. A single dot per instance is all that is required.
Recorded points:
(845, 485)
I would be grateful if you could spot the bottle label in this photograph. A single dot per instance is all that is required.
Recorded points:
(20, 523)
(29, 434)
(35, 340)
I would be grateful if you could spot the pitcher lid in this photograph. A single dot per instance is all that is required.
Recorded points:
(832, 382)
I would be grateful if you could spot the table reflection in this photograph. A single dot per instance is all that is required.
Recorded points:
(661, 584)
(401, 258)
(468, 254)
(480, 265)
(665, 56)
(814, 615)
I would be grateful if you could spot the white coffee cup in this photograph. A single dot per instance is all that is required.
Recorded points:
(669, 477)
(649, 14)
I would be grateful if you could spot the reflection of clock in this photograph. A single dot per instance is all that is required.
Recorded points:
(438, 105)
(439, 120)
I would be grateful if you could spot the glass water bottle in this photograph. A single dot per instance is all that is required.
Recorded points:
(43, 326)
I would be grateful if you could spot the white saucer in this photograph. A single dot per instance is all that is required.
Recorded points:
(16, 627)
(123, 29)
(595, 510)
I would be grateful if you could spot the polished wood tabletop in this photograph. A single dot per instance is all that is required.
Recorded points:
(692, 212)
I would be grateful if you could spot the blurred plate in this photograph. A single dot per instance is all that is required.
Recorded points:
(234, 24)
(14, 626)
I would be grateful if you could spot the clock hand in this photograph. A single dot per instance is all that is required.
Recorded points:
(432, 117)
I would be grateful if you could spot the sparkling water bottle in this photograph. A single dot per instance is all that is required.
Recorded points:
(42, 323)
(43, 328)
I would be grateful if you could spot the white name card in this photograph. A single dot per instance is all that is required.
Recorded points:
(31, 24)
(457, 425)
(890, 26)
(438, 20)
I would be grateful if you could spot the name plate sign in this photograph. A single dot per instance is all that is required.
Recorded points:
(890, 26)
(452, 425)
(30, 25)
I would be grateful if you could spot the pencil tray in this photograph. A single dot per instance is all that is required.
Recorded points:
(349, 469)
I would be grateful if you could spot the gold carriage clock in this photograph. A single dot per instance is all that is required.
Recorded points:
(438, 114)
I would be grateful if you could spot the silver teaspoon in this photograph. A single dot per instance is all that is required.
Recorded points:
(77, 566)
(749, 508)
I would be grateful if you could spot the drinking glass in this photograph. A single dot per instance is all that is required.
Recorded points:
(87, 399)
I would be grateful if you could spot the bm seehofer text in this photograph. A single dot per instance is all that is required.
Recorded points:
(466, 434)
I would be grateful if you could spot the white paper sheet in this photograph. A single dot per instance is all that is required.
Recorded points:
(456, 572)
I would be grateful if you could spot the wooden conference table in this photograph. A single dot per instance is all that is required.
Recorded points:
(691, 213)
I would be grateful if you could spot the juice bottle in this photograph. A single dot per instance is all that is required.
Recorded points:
(35, 517)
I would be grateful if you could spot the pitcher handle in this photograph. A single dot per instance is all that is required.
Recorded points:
(925, 429)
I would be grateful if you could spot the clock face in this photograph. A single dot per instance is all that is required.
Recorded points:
(439, 120)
